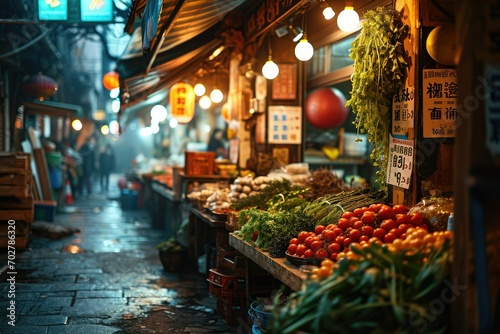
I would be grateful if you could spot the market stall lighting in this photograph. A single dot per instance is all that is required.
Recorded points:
(348, 19)
(105, 129)
(199, 89)
(158, 113)
(205, 102)
(115, 106)
(270, 70)
(114, 127)
(77, 125)
(114, 93)
(216, 95)
(173, 123)
(328, 12)
(304, 50)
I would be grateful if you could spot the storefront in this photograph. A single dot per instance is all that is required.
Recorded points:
(296, 125)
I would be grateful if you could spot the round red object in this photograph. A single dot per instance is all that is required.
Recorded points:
(111, 80)
(325, 108)
(39, 86)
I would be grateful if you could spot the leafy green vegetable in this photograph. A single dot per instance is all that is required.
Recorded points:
(379, 71)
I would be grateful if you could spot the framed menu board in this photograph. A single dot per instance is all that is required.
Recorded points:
(284, 86)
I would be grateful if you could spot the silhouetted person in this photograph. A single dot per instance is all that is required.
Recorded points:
(217, 144)
(88, 166)
(106, 166)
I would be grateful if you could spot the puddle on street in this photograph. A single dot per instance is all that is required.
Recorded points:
(73, 249)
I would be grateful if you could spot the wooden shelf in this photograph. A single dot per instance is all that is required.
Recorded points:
(280, 268)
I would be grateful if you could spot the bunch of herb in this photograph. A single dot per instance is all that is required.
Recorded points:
(379, 71)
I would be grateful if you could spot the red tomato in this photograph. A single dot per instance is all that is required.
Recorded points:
(300, 250)
(416, 219)
(353, 219)
(333, 256)
(338, 231)
(340, 239)
(347, 214)
(386, 212)
(318, 229)
(404, 227)
(333, 248)
(321, 254)
(329, 236)
(388, 224)
(292, 249)
(403, 236)
(309, 254)
(389, 238)
(364, 238)
(302, 236)
(294, 241)
(368, 219)
(354, 235)
(399, 208)
(367, 230)
(379, 233)
(358, 225)
(344, 223)
(358, 212)
(308, 241)
(347, 242)
(402, 218)
(375, 207)
(330, 226)
(397, 232)
(315, 245)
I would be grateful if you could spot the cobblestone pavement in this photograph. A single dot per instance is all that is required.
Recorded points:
(105, 279)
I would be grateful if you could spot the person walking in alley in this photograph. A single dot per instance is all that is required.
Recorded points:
(106, 166)
(88, 167)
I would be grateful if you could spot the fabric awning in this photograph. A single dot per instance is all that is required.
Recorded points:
(186, 34)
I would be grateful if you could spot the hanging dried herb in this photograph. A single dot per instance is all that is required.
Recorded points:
(379, 71)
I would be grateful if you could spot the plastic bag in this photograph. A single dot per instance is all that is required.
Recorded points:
(435, 211)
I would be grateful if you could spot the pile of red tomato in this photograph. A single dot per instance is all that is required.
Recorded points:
(378, 223)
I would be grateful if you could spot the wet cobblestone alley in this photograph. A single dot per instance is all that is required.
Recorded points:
(107, 278)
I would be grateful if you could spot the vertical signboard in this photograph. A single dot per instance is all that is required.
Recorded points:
(440, 103)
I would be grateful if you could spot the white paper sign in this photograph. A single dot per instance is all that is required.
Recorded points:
(285, 125)
(400, 163)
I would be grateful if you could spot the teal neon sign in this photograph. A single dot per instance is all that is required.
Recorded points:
(96, 10)
(52, 10)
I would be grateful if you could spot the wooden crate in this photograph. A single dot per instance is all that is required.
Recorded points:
(22, 235)
(199, 163)
(16, 208)
(16, 160)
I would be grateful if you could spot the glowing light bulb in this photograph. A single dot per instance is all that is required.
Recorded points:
(270, 70)
(304, 50)
(348, 19)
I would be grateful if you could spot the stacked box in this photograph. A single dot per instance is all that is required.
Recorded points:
(16, 200)
(199, 163)
(230, 292)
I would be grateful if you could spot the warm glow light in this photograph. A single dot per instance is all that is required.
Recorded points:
(199, 89)
(158, 113)
(146, 131)
(216, 95)
(114, 127)
(270, 70)
(77, 125)
(348, 19)
(105, 129)
(304, 50)
(115, 106)
(155, 128)
(173, 122)
(205, 102)
(114, 93)
(328, 13)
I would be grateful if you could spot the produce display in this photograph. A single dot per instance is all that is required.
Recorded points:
(323, 182)
(435, 211)
(375, 288)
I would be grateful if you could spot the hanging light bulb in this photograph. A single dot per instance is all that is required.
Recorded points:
(199, 89)
(205, 102)
(328, 12)
(270, 70)
(348, 19)
(304, 50)
(216, 95)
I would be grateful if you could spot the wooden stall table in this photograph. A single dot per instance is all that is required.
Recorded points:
(280, 268)
(165, 208)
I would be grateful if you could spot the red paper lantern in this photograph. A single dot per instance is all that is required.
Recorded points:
(111, 80)
(182, 102)
(325, 108)
(39, 86)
